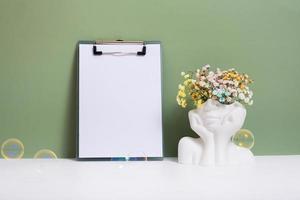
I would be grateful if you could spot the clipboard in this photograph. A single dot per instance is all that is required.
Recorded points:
(119, 100)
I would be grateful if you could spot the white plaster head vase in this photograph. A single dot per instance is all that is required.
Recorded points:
(215, 123)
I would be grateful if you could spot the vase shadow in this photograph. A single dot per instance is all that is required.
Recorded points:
(175, 126)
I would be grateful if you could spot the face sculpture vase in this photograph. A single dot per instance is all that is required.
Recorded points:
(215, 123)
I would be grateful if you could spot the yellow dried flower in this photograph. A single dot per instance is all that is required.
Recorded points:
(242, 86)
(194, 95)
(199, 104)
(181, 87)
(187, 82)
(186, 76)
(183, 103)
(181, 93)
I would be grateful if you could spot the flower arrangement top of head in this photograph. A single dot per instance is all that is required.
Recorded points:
(225, 86)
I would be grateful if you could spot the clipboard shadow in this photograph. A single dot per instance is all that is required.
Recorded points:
(69, 138)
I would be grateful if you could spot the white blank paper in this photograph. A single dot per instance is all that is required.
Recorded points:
(120, 112)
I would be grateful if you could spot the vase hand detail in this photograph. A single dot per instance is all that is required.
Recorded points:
(197, 125)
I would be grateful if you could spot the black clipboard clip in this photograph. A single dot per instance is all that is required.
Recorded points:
(118, 42)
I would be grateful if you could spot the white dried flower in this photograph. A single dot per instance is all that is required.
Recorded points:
(247, 100)
(241, 96)
(250, 103)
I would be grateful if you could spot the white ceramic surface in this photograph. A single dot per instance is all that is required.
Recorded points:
(269, 178)
(215, 123)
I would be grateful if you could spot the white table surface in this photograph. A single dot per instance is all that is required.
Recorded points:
(271, 177)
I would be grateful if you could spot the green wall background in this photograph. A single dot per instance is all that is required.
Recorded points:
(38, 63)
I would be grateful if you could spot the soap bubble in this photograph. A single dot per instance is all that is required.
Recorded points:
(244, 138)
(45, 154)
(12, 149)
